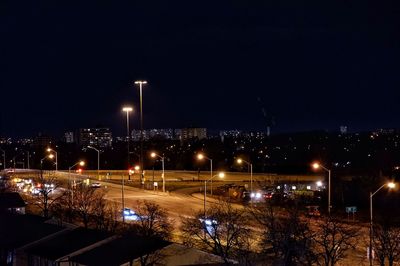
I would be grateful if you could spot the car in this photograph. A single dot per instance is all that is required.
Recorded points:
(96, 185)
(313, 211)
(209, 224)
(131, 215)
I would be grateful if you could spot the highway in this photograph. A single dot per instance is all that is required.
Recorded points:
(179, 202)
(186, 201)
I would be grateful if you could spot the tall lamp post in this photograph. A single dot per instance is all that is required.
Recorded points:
(250, 165)
(220, 175)
(50, 156)
(55, 152)
(317, 166)
(128, 109)
(98, 160)
(390, 185)
(141, 83)
(201, 156)
(4, 158)
(154, 155)
(81, 163)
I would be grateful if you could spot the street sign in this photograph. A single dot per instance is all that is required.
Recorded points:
(351, 209)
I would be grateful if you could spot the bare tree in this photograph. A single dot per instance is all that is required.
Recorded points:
(152, 221)
(224, 231)
(333, 239)
(85, 202)
(45, 192)
(387, 243)
(105, 216)
(154, 227)
(285, 236)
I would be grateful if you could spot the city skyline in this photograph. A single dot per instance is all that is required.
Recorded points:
(214, 66)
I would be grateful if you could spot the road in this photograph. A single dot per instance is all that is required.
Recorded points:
(185, 202)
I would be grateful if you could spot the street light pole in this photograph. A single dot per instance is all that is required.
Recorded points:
(250, 165)
(81, 163)
(201, 156)
(153, 154)
(316, 166)
(141, 83)
(371, 228)
(98, 160)
(128, 109)
(220, 175)
(55, 152)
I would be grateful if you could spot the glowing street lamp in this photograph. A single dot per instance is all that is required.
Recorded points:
(220, 175)
(55, 152)
(128, 109)
(390, 185)
(50, 156)
(155, 155)
(141, 83)
(250, 165)
(317, 166)
(80, 163)
(201, 157)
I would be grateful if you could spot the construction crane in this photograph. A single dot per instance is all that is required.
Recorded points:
(268, 117)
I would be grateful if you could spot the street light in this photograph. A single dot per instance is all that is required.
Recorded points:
(141, 83)
(200, 157)
(50, 156)
(81, 163)
(390, 185)
(220, 175)
(98, 160)
(55, 152)
(154, 155)
(128, 109)
(316, 166)
(250, 165)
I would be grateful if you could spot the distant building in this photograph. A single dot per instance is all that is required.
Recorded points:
(161, 133)
(12, 202)
(25, 141)
(69, 137)
(385, 131)
(98, 137)
(194, 132)
(229, 134)
(42, 141)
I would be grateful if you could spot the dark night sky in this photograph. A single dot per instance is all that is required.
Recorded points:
(67, 65)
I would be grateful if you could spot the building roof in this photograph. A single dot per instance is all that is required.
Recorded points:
(18, 230)
(119, 251)
(11, 200)
(177, 254)
(66, 243)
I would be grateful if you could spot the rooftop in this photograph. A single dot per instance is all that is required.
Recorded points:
(66, 243)
(123, 249)
(11, 200)
(18, 230)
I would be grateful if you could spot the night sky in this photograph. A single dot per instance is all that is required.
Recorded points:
(71, 64)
